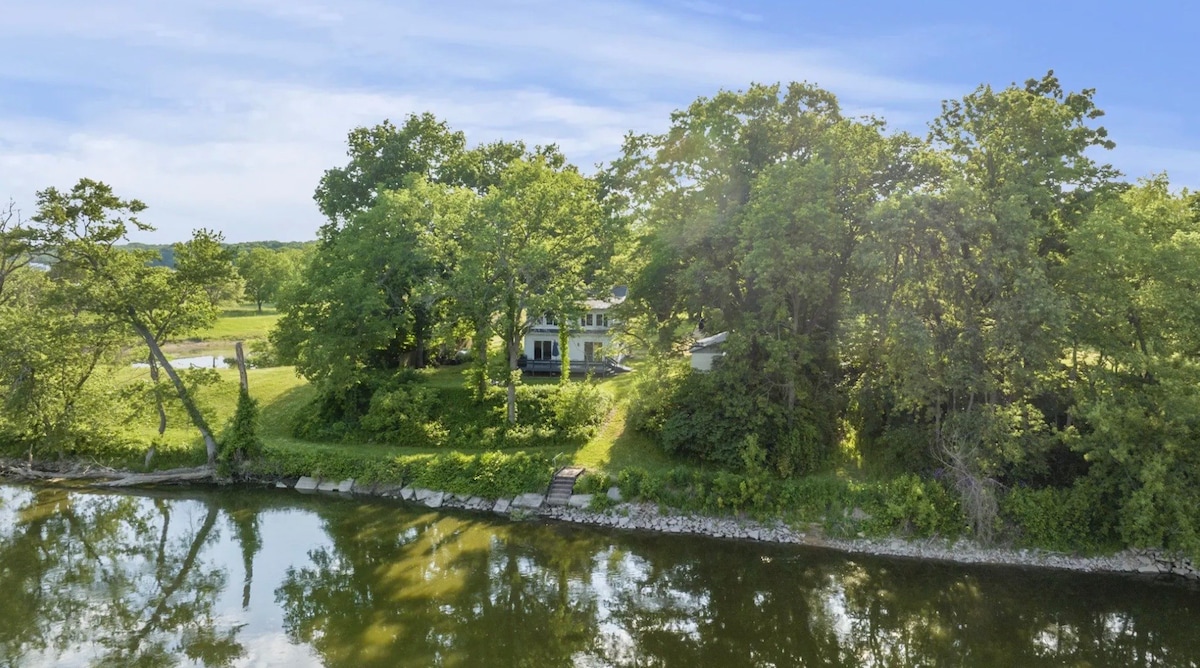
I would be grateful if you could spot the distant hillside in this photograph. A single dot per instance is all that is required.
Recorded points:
(167, 251)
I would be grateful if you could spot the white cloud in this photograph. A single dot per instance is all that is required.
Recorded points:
(225, 114)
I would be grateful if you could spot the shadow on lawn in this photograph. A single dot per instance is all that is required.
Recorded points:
(277, 417)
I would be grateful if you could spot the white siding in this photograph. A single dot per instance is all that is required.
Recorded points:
(703, 361)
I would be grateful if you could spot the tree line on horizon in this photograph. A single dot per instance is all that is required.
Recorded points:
(990, 304)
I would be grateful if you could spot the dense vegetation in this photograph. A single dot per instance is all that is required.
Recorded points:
(983, 330)
(988, 306)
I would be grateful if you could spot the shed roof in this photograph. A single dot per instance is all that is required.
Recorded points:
(709, 342)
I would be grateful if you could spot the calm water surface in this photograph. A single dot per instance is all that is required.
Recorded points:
(264, 578)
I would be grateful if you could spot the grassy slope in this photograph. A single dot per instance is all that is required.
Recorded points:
(281, 395)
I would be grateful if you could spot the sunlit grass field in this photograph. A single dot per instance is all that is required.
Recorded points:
(239, 324)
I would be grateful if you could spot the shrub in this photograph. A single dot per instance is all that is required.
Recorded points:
(650, 400)
(705, 423)
(593, 483)
(814, 498)
(1072, 518)
(578, 408)
(630, 482)
(241, 440)
(915, 506)
(402, 416)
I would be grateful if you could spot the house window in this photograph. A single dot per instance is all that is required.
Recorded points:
(590, 320)
(591, 351)
(545, 350)
(549, 320)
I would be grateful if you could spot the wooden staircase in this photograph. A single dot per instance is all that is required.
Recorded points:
(562, 485)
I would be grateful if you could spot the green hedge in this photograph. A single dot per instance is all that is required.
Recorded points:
(907, 505)
(413, 414)
(488, 474)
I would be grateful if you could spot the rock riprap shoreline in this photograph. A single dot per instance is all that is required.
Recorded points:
(650, 517)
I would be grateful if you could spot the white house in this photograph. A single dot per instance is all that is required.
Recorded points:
(706, 351)
(589, 341)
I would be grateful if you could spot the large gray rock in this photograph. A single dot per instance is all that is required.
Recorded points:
(420, 494)
(614, 493)
(306, 484)
(502, 505)
(478, 503)
(532, 501)
(346, 486)
(407, 493)
(327, 486)
(434, 499)
(361, 488)
(388, 490)
(580, 500)
(280, 485)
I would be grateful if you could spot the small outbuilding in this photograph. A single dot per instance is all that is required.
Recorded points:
(707, 351)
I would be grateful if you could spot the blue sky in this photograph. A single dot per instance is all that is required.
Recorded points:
(224, 114)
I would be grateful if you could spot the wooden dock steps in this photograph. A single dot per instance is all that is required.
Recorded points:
(562, 485)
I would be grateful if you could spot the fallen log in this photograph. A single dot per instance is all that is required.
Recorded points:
(174, 475)
(34, 474)
(111, 478)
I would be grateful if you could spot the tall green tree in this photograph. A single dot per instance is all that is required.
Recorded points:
(383, 158)
(746, 215)
(1132, 277)
(83, 227)
(537, 232)
(264, 271)
(372, 295)
(968, 329)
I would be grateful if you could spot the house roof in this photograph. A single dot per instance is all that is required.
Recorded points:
(709, 342)
(618, 295)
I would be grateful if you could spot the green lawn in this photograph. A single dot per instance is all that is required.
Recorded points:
(282, 395)
(238, 328)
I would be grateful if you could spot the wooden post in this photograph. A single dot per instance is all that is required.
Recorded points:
(241, 361)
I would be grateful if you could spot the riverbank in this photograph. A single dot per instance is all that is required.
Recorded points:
(633, 516)
(612, 512)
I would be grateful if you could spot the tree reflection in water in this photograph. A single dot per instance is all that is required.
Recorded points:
(110, 580)
(99, 579)
(444, 590)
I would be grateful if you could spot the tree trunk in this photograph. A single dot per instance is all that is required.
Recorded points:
(210, 443)
(158, 398)
(512, 386)
(162, 413)
(259, 302)
(564, 354)
(241, 362)
(189, 561)
(481, 347)
(419, 353)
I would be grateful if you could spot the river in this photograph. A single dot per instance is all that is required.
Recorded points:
(250, 577)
